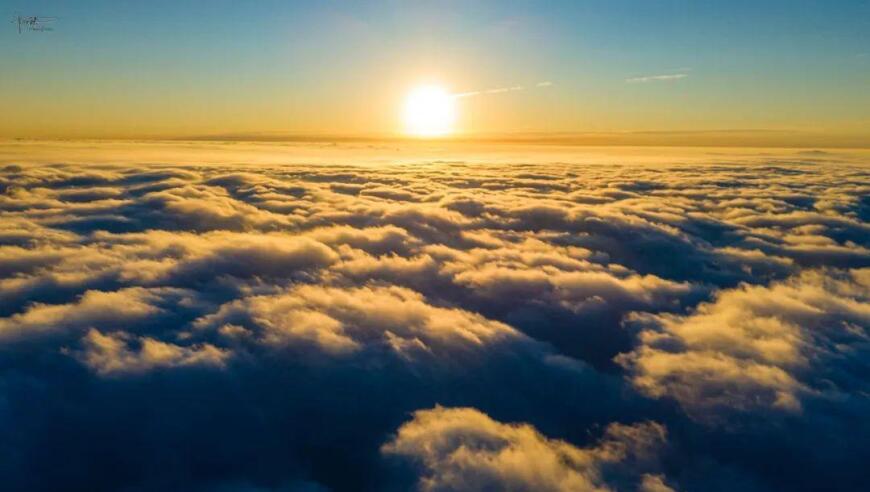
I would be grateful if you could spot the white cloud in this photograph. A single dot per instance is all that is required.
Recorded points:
(657, 78)
(498, 90)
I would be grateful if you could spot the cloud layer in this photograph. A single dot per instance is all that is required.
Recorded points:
(482, 324)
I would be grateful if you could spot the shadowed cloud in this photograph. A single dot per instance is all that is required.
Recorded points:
(445, 325)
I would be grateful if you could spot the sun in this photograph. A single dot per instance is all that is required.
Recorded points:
(430, 111)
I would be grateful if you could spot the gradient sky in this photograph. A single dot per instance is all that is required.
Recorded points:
(189, 68)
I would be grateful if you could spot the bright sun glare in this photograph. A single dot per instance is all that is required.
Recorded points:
(429, 111)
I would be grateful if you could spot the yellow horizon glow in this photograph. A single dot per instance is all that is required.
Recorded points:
(430, 111)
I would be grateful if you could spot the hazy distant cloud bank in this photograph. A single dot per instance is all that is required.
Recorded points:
(444, 326)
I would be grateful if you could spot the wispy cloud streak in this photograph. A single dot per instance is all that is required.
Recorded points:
(500, 90)
(657, 78)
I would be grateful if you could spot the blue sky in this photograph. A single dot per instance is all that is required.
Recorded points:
(197, 66)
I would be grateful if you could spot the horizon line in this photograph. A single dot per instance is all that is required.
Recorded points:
(729, 137)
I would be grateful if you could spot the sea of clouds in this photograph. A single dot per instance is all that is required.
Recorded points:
(541, 325)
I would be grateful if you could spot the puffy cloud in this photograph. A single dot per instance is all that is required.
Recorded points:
(236, 255)
(341, 321)
(653, 483)
(759, 347)
(111, 354)
(94, 308)
(573, 289)
(464, 449)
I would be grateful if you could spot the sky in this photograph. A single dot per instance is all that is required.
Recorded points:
(203, 68)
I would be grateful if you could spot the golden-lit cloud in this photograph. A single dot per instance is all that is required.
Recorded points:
(756, 347)
(109, 354)
(597, 321)
(464, 449)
